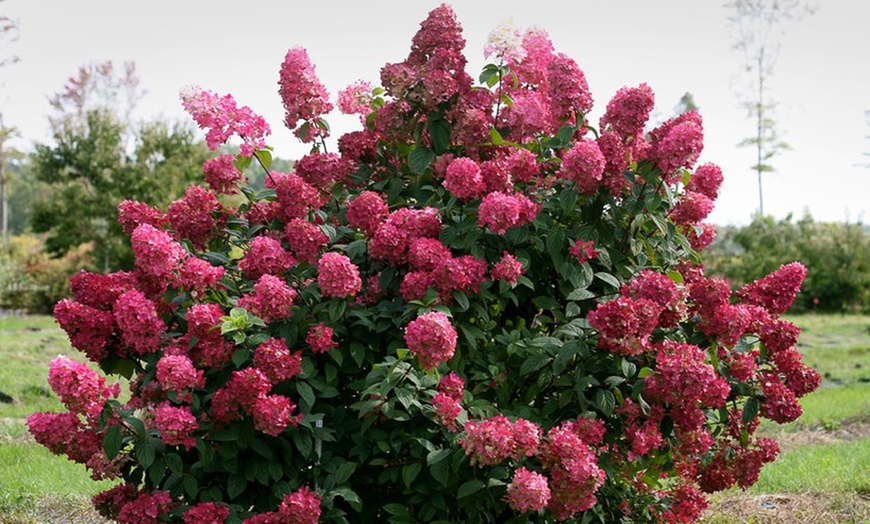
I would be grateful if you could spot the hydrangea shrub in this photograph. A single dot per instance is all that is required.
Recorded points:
(482, 308)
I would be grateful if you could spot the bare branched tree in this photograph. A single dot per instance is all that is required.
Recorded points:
(758, 26)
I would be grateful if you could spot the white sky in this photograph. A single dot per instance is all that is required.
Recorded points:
(821, 80)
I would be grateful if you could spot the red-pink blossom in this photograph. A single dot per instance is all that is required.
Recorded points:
(138, 323)
(776, 291)
(624, 325)
(305, 239)
(426, 254)
(221, 174)
(295, 197)
(80, 389)
(177, 373)
(463, 179)
(197, 275)
(320, 338)
(583, 251)
(207, 513)
(501, 211)
(507, 269)
(196, 216)
(567, 89)
(584, 165)
(305, 98)
(321, 170)
(356, 99)
(366, 212)
(677, 144)
(706, 180)
(495, 439)
(300, 507)
(266, 256)
(90, 330)
(146, 508)
(691, 208)
(432, 338)
(273, 414)
(337, 276)
(628, 110)
(109, 502)
(663, 291)
(447, 410)
(157, 254)
(276, 361)
(176, 425)
(223, 118)
(133, 214)
(271, 299)
(528, 491)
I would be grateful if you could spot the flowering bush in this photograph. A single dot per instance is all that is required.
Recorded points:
(482, 309)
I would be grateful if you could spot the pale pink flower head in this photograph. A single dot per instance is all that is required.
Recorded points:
(432, 338)
(356, 99)
(337, 276)
(528, 491)
(538, 47)
(529, 114)
(505, 43)
(305, 98)
(628, 111)
(584, 165)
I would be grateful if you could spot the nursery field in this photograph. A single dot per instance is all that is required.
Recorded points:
(823, 474)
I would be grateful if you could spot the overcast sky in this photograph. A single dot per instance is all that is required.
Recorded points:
(821, 79)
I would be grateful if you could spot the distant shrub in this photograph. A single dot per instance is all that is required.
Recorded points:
(837, 257)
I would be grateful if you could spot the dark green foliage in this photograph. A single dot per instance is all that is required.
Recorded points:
(837, 257)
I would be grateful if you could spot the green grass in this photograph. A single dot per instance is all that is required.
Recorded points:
(31, 469)
(844, 466)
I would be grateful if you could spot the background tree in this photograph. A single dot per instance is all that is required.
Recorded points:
(758, 26)
(8, 33)
(99, 158)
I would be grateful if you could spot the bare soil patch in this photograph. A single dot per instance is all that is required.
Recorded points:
(788, 508)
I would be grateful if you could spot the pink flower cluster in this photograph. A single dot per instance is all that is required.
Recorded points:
(320, 338)
(496, 439)
(507, 269)
(223, 118)
(366, 212)
(266, 256)
(432, 338)
(528, 491)
(501, 211)
(337, 276)
(624, 325)
(221, 174)
(356, 99)
(448, 400)
(305, 98)
(574, 472)
(300, 507)
(276, 361)
(584, 165)
(271, 299)
(628, 111)
(583, 251)
(176, 424)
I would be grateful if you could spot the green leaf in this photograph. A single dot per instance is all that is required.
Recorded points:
(439, 132)
(533, 363)
(605, 401)
(420, 159)
(581, 294)
(410, 472)
(470, 487)
(306, 394)
(750, 410)
(628, 368)
(348, 495)
(343, 473)
(113, 441)
(495, 137)
(236, 484)
(608, 278)
(461, 300)
(437, 456)
(264, 156)
(146, 452)
(174, 463)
